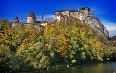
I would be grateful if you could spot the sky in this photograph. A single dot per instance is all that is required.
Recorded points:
(105, 10)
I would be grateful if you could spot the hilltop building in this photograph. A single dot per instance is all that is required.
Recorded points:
(84, 15)
(80, 14)
(31, 19)
(31, 22)
(16, 20)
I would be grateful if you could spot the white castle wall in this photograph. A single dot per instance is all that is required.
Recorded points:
(31, 20)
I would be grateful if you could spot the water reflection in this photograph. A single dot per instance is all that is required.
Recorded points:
(112, 67)
(88, 68)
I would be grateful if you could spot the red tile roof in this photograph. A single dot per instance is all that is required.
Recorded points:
(31, 14)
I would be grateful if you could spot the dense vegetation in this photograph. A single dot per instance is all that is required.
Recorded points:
(62, 43)
(113, 40)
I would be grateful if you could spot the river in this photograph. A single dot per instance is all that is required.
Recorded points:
(86, 68)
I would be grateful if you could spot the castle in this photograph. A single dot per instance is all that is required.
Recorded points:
(31, 19)
(84, 15)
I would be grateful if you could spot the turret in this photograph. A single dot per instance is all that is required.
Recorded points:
(31, 18)
(16, 20)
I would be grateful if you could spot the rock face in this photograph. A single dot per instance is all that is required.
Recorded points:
(84, 15)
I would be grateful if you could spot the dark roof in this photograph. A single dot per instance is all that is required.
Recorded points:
(44, 21)
(31, 14)
(16, 18)
(84, 8)
(4, 20)
(88, 8)
(65, 10)
(38, 21)
(74, 10)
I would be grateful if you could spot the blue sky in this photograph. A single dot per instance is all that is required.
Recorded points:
(105, 10)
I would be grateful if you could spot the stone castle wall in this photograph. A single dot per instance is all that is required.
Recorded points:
(31, 20)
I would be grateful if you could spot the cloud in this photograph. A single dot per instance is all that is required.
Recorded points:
(50, 15)
(39, 18)
(111, 27)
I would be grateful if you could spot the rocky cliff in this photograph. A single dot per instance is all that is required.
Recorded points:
(87, 16)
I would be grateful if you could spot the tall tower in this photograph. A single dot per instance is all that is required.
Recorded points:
(31, 18)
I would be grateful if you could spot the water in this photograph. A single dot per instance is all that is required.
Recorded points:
(88, 68)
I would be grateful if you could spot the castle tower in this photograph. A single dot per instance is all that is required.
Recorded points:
(16, 20)
(31, 18)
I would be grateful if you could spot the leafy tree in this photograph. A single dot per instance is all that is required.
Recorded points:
(64, 42)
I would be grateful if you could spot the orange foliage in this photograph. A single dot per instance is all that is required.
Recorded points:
(63, 50)
(62, 38)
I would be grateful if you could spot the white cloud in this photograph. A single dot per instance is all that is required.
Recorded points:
(39, 18)
(111, 27)
(50, 15)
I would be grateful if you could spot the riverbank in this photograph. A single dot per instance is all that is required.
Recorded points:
(107, 67)
(61, 67)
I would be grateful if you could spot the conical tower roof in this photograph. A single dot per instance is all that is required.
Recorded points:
(31, 14)
(16, 18)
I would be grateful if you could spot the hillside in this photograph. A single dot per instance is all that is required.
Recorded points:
(85, 15)
(61, 43)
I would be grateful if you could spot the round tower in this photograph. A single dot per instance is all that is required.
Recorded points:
(31, 18)
(16, 20)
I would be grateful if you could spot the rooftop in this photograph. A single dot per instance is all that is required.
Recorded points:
(65, 10)
(31, 14)
(16, 18)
